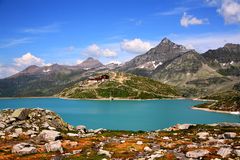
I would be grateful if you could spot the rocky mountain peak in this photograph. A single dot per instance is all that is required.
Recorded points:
(231, 45)
(166, 40)
(90, 63)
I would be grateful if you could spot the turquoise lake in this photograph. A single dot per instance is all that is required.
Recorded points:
(123, 115)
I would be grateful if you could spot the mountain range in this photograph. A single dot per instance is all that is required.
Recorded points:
(192, 73)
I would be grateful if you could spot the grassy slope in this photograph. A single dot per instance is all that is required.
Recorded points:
(121, 85)
(226, 101)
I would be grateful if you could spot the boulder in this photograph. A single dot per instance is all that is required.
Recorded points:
(54, 146)
(224, 152)
(49, 135)
(237, 152)
(81, 128)
(72, 135)
(197, 153)
(139, 143)
(147, 149)
(202, 135)
(23, 149)
(77, 151)
(229, 135)
(104, 152)
(18, 131)
(99, 131)
(2, 125)
(21, 113)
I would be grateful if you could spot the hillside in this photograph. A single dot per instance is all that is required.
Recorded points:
(182, 69)
(122, 86)
(225, 101)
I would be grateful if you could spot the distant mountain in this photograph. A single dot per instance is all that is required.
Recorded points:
(47, 80)
(90, 63)
(227, 54)
(163, 52)
(119, 85)
(226, 60)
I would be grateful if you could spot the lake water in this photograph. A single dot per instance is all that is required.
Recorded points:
(123, 114)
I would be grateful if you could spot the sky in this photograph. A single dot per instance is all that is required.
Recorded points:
(45, 32)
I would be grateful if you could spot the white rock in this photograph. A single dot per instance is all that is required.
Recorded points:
(30, 132)
(23, 149)
(54, 146)
(139, 143)
(155, 156)
(72, 135)
(224, 152)
(229, 135)
(2, 125)
(197, 153)
(237, 152)
(165, 138)
(49, 135)
(202, 135)
(147, 149)
(81, 127)
(100, 130)
(18, 131)
(76, 151)
(104, 152)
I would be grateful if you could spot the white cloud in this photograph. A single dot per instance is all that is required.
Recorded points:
(174, 11)
(230, 10)
(187, 20)
(6, 71)
(15, 42)
(204, 42)
(27, 60)
(42, 29)
(95, 51)
(135, 46)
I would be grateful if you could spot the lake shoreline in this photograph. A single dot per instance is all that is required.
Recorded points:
(217, 111)
(114, 99)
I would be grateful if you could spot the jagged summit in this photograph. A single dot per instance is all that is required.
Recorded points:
(230, 52)
(164, 51)
(90, 62)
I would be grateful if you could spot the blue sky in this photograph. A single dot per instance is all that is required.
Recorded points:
(44, 32)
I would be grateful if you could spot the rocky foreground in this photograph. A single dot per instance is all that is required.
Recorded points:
(42, 134)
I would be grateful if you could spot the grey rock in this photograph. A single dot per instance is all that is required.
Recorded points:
(18, 131)
(30, 132)
(54, 146)
(49, 135)
(81, 127)
(229, 135)
(147, 149)
(224, 152)
(237, 152)
(21, 113)
(197, 153)
(202, 135)
(23, 149)
(77, 151)
(2, 125)
(98, 131)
